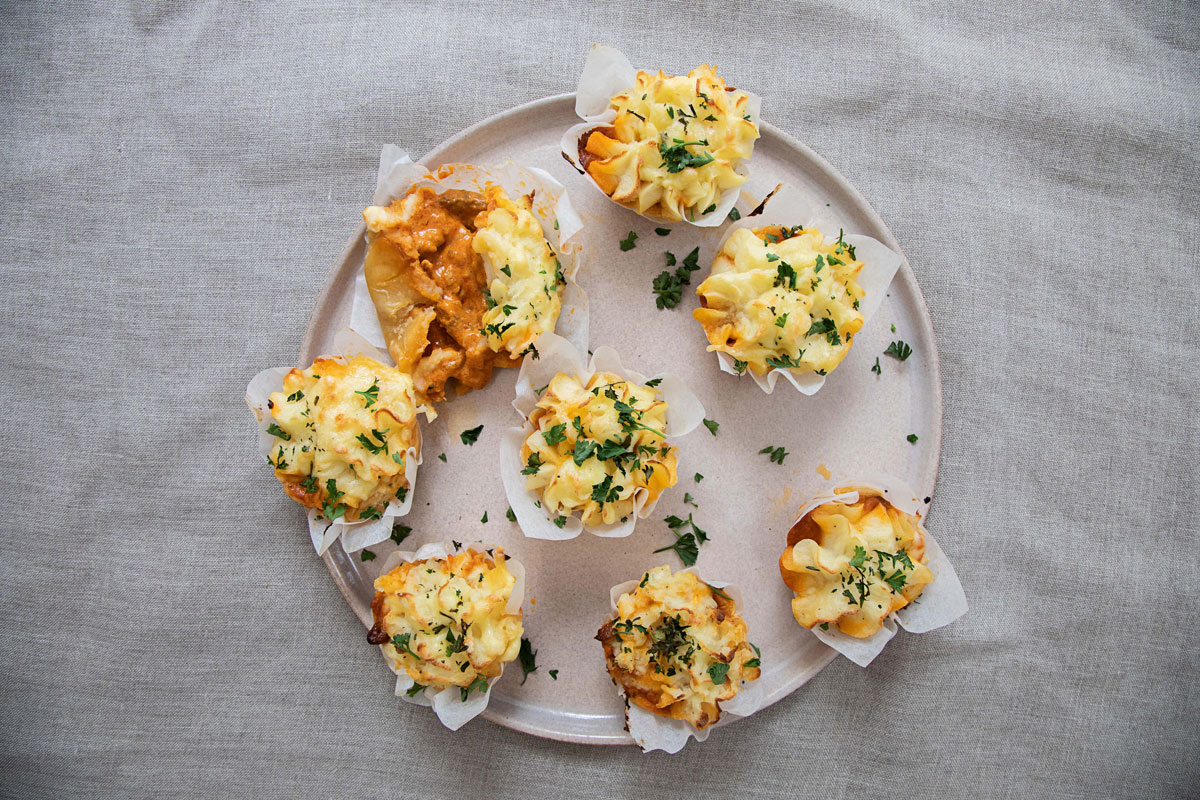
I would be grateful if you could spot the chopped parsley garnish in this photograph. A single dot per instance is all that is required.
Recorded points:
(527, 657)
(373, 448)
(667, 289)
(785, 361)
(785, 275)
(402, 493)
(677, 157)
(412, 690)
(533, 464)
(510, 515)
(654, 382)
(912, 438)
(480, 684)
(400, 532)
(604, 492)
(663, 231)
(560, 520)
(739, 366)
(483, 519)
(584, 449)
(688, 501)
(628, 243)
(877, 369)
(710, 209)
(685, 547)
(676, 524)
(296, 395)
(734, 214)
(506, 270)
(778, 454)
(370, 395)
(827, 327)
(781, 320)
(554, 674)
(366, 555)
(896, 580)
(278, 432)
(717, 672)
(699, 477)
(401, 641)
(533, 351)
(471, 436)
(899, 350)
(331, 509)
(442, 457)
(751, 663)
(712, 426)
(860, 557)
(668, 286)
(555, 434)
(371, 513)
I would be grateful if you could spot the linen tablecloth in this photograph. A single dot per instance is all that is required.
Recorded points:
(178, 180)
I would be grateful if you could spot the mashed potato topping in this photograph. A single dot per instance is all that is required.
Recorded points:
(595, 446)
(343, 430)
(677, 647)
(525, 279)
(854, 564)
(674, 145)
(444, 622)
(781, 298)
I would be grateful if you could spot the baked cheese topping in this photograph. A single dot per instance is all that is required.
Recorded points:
(674, 146)
(678, 647)
(443, 620)
(593, 447)
(342, 431)
(525, 278)
(781, 298)
(854, 564)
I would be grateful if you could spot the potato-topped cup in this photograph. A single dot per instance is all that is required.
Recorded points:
(851, 564)
(782, 298)
(678, 651)
(341, 436)
(447, 620)
(668, 147)
(786, 297)
(465, 269)
(595, 451)
(859, 560)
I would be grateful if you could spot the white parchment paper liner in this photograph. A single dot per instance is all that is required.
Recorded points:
(684, 413)
(653, 732)
(354, 535)
(940, 603)
(787, 206)
(447, 703)
(398, 174)
(607, 73)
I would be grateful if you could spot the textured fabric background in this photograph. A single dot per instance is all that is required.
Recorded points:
(178, 180)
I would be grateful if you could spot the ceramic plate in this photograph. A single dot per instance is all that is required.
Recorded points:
(858, 421)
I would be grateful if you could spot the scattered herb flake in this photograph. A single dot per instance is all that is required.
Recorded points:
(712, 426)
(471, 436)
(628, 243)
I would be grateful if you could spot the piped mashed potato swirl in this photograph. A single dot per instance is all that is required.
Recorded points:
(853, 564)
(445, 621)
(677, 647)
(674, 145)
(782, 298)
(343, 431)
(595, 445)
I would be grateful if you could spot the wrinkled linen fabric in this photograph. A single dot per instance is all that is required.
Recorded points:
(178, 180)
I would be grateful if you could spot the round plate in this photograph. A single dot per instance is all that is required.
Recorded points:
(858, 421)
